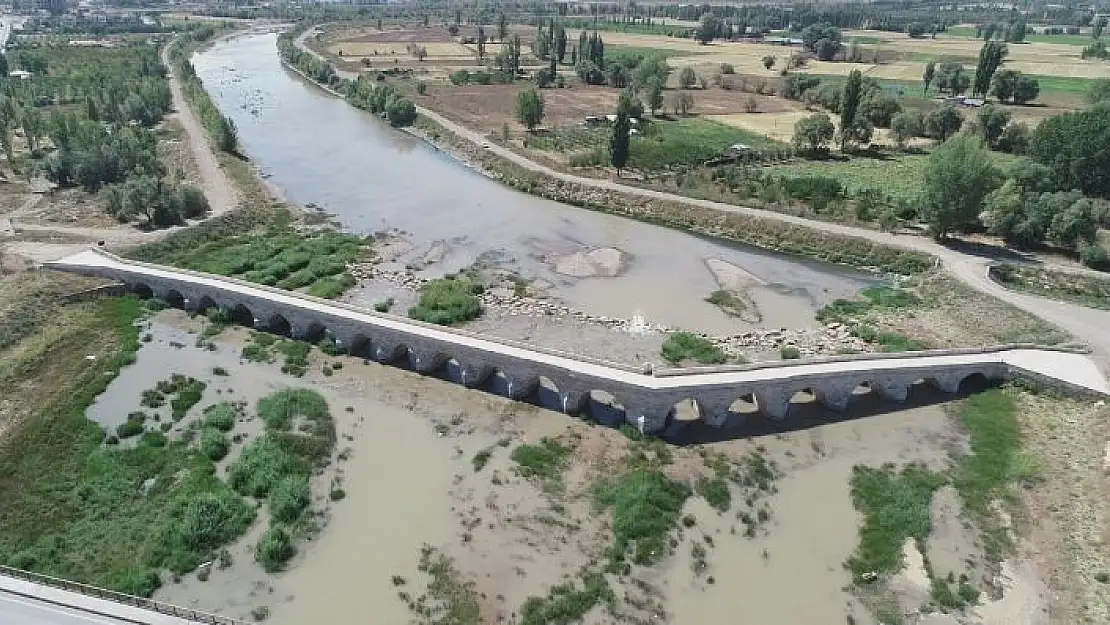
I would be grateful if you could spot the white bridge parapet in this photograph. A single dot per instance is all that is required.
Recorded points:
(646, 395)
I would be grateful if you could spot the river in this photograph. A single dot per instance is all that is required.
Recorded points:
(317, 149)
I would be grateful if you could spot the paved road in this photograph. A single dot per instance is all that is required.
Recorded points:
(1089, 325)
(27, 603)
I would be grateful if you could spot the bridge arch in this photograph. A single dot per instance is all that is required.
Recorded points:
(278, 324)
(204, 303)
(241, 315)
(359, 346)
(174, 298)
(142, 290)
(314, 332)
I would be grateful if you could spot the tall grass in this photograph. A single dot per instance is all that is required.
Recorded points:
(448, 301)
(645, 505)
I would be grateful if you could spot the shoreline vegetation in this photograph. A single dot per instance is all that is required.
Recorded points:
(763, 233)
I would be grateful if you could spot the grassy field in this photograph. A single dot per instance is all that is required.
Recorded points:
(690, 140)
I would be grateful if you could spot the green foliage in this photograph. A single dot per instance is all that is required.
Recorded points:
(289, 497)
(646, 505)
(400, 112)
(789, 352)
(529, 109)
(274, 549)
(566, 604)
(681, 346)
(221, 416)
(715, 491)
(201, 525)
(261, 466)
(813, 133)
(214, 444)
(895, 506)
(189, 392)
(481, 459)
(133, 426)
(1074, 147)
(665, 144)
(296, 357)
(220, 128)
(545, 460)
(874, 298)
(958, 177)
(278, 410)
(447, 301)
(996, 460)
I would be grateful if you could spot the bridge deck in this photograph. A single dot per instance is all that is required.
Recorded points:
(1073, 369)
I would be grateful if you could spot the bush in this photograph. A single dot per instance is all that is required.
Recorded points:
(789, 352)
(715, 492)
(289, 498)
(447, 301)
(214, 444)
(279, 409)
(646, 506)
(1095, 257)
(261, 466)
(684, 345)
(220, 416)
(274, 549)
(202, 523)
(129, 428)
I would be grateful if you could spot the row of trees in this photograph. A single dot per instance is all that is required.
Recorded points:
(383, 100)
(1006, 85)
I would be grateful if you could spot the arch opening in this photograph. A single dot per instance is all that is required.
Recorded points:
(204, 303)
(143, 291)
(175, 299)
(314, 333)
(241, 315)
(278, 324)
(359, 346)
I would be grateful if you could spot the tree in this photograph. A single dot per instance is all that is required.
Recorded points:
(878, 107)
(958, 176)
(502, 27)
(655, 95)
(992, 122)
(814, 33)
(943, 122)
(812, 134)
(1026, 90)
(708, 29)
(1014, 139)
(1076, 147)
(990, 58)
(952, 78)
(1096, 30)
(1016, 31)
(4, 65)
(1004, 84)
(559, 39)
(619, 140)
(1099, 91)
(826, 49)
(769, 61)
(849, 104)
(1006, 213)
(616, 75)
(529, 109)
(927, 77)
(687, 78)
(400, 112)
(916, 30)
(652, 68)
(682, 103)
(1074, 224)
(905, 126)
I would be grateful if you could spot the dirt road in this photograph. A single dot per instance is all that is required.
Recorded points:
(1086, 324)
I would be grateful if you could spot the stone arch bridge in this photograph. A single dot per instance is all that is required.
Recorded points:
(648, 397)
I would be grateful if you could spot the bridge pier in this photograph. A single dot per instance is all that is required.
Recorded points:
(472, 376)
(774, 401)
(385, 353)
(947, 382)
(713, 413)
(426, 360)
(892, 388)
(648, 417)
(520, 387)
(836, 395)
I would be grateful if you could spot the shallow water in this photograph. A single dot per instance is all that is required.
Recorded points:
(319, 150)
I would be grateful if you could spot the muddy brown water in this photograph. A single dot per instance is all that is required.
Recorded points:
(409, 482)
(319, 150)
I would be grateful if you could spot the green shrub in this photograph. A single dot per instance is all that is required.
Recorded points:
(289, 498)
(131, 427)
(274, 549)
(214, 444)
(263, 463)
(278, 410)
(646, 506)
(447, 301)
(480, 459)
(201, 524)
(1095, 257)
(220, 416)
(137, 582)
(567, 604)
(789, 352)
(153, 439)
(545, 460)
(715, 492)
(684, 345)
